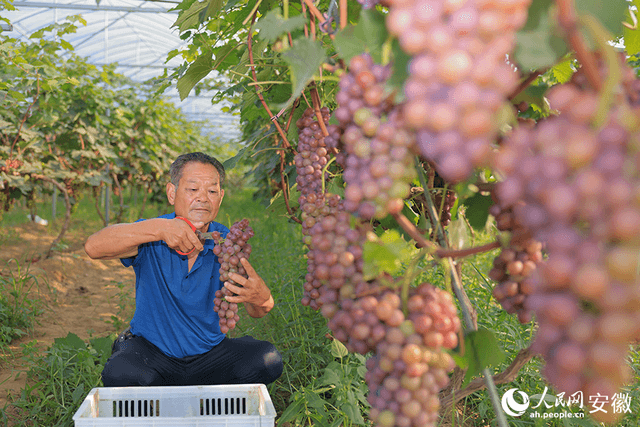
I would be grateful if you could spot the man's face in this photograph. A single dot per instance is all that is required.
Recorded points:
(198, 195)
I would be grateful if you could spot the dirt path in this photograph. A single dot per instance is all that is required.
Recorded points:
(80, 294)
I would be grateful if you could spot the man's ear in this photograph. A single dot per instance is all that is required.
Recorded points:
(221, 197)
(171, 193)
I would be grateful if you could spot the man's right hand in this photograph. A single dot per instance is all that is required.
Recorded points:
(179, 236)
(122, 240)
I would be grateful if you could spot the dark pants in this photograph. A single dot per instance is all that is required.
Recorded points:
(137, 362)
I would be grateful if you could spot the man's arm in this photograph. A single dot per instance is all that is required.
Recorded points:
(122, 240)
(253, 292)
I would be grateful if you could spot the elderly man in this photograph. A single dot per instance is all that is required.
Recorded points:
(175, 338)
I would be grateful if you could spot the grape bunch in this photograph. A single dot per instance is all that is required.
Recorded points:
(579, 179)
(459, 78)
(312, 154)
(378, 150)
(230, 252)
(444, 206)
(410, 365)
(319, 220)
(513, 268)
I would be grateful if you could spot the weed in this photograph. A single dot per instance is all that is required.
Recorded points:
(58, 381)
(18, 305)
(126, 306)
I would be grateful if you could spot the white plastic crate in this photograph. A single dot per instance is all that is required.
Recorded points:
(185, 406)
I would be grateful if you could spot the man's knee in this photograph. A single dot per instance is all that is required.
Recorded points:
(127, 367)
(118, 376)
(273, 364)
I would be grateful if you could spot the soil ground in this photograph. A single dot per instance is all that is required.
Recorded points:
(80, 294)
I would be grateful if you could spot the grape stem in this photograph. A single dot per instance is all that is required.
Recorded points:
(460, 253)
(468, 312)
(274, 119)
(315, 98)
(285, 189)
(526, 83)
(412, 231)
(568, 20)
(314, 10)
(343, 14)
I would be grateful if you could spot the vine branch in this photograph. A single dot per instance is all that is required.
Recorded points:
(509, 374)
(315, 98)
(526, 82)
(460, 253)
(568, 20)
(274, 119)
(67, 215)
(468, 312)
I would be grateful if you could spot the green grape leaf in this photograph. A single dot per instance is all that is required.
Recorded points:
(368, 36)
(197, 13)
(197, 71)
(386, 254)
(348, 43)
(304, 58)
(563, 71)
(400, 71)
(477, 210)
(481, 351)
(632, 35)
(273, 25)
(374, 32)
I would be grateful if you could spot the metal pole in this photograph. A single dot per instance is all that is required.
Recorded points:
(54, 202)
(107, 192)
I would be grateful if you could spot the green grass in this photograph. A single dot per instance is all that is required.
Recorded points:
(20, 304)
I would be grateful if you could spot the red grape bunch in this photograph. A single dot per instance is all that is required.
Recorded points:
(513, 268)
(318, 222)
(410, 365)
(378, 150)
(312, 154)
(577, 174)
(312, 157)
(230, 252)
(459, 78)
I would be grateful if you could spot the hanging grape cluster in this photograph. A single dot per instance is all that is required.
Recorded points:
(230, 252)
(458, 75)
(577, 177)
(378, 149)
(312, 157)
(410, 365)
(513, 268)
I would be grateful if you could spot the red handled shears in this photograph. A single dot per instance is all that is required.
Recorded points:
(214, 235)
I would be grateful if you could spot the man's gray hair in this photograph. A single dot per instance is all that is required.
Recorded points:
(178, 165)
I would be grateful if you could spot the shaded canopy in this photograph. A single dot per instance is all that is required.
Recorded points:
(135, 34)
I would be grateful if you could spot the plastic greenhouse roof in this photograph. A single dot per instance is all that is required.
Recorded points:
(136, 34)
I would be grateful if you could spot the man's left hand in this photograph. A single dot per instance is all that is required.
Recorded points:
(252, 291)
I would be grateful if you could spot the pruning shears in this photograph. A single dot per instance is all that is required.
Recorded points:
(213, 235)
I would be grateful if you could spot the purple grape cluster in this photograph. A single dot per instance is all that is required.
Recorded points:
(378, 150)
(573, 180)
(514, 267)
(458, 75)
(230, 251)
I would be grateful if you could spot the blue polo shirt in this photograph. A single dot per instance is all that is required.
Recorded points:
(174, 306)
